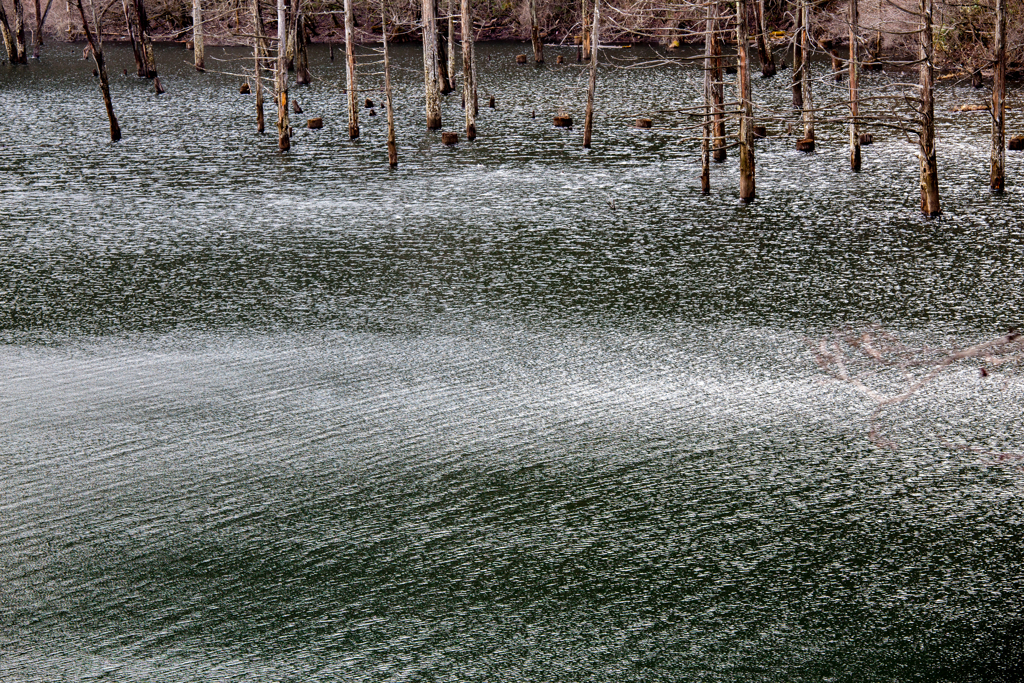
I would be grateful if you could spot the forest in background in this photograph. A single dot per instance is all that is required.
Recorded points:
(963, 31)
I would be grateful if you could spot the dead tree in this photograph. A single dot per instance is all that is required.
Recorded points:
(889, 372)
(300, 43)
(444, 79)
(705, 140)
(798, 59)
(854, 87)
(717, 86)
(926, 136)
(997, 175)
(538, 47)
(807, 98)
(764, 42)
(147, 40)
(746, 108)
(469, 97)
(37, 35)
(452, 70)
(7, 35)
(350, 72)
(138, 33)
(197, 34)
(281, 90)
(430, 66)
(259, 50)
(96, 45)
(388, 103)
(588, 125)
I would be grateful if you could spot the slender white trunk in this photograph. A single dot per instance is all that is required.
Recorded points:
(468, 70)
(430, 66)
(283, 125)
(197, 33)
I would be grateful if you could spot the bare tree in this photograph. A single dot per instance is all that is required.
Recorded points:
(197, 34)
(997, 176)
(350, 71)
(388, 103)
(430, 65)
(96, 46)
(469, 97)
(538, 47)
(926, 137)
(854, 87)
(588, 125)
(7, 35)
(283, 125)
(746, 108)
(37, 34)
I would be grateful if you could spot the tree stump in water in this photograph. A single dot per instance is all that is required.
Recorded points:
(643, 123)
(368, 104)
(244, 88)
(520, 59)
(158, 88)
(866, 138)
(315, 123)
(450, 139)
(559, 59)
(373, 112)
(563, 122)
(490, 102)
(805, 145)
(295, 107)
(1016, 143)
(760, 132)
(976, 79)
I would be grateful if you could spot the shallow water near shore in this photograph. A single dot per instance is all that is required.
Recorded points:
(513, 411)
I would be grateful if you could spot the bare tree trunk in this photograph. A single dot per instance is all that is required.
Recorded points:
(97, 56)
(443, 77)
(20, 53)
(585, 27)
(746, 107)
(717, 87)
(997, 176)
(431, 86)
(764, 42)
(705, 141)
(145, 39)
(805, 72)
(538, 47)
(40, 23)
(588, 124)
(281, 90)
(197, 33)
(926, 140)
(452, 70)
(350, 72)
(259, 52)
(301, 40)
(392, 146)
(854, 87)
(468, 70)
(798, 58)
(5, 33)
(291, 11)
(131, 20)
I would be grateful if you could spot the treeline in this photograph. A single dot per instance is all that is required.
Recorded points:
(963, 30)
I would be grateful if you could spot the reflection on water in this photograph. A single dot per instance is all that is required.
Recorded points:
(513, 411)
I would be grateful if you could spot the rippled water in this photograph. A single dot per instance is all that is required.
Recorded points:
(515, 411)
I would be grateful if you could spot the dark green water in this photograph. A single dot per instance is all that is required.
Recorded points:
(515, 411)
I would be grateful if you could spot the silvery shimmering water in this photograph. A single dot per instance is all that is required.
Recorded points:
(515, 411)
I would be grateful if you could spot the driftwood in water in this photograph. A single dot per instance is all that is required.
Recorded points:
(643, 123)
(563, 121)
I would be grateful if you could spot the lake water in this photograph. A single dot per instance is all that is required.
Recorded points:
(513, 411)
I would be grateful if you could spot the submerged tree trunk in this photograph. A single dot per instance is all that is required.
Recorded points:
(431, 86)
(468, 70)
(350, 72)
(764, 42)
(37, 34)
(145, 39)
(538, 47)
(798, 59)
(452, 69)
(746, 112)
(259, 52)
(301, 40)
(197, 34)
(20, 52)
(717, 87)
(926, 140)
(854, 87)
(588, 125)
(392, 146)
(443, 77)
(131, 20)
(705, 140)
(997, 175)
(97, 56)
(805, 72)
(281, 89)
